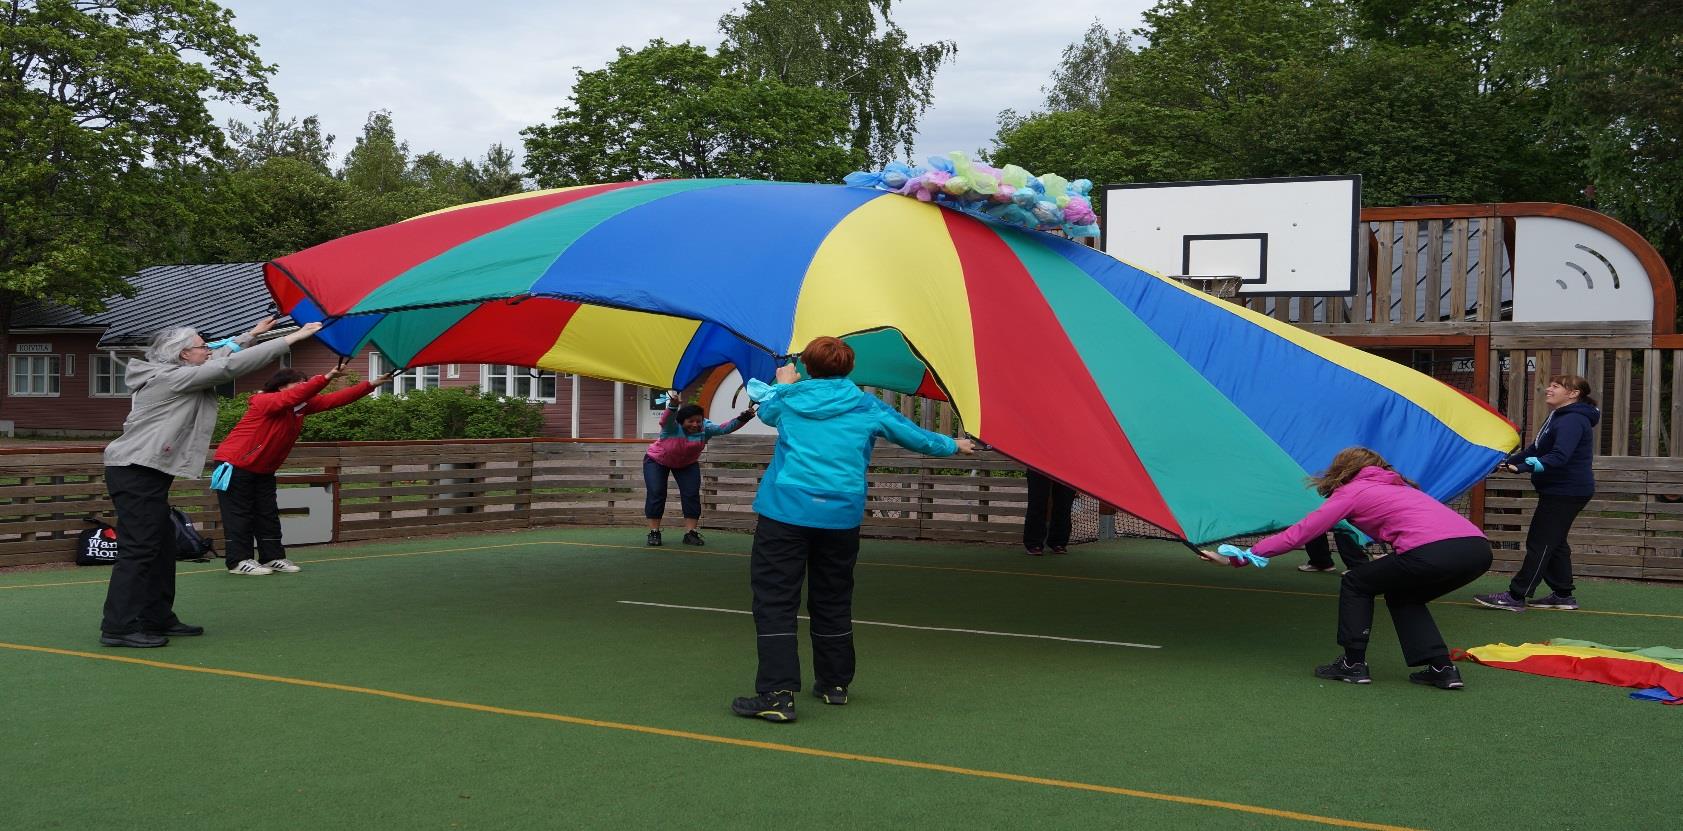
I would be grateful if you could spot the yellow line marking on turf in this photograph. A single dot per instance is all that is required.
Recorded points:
(723, 740)
(955, 569)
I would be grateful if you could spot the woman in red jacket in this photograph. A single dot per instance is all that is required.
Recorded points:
(254, 450)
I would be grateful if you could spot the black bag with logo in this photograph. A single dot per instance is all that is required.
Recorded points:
(96, 546)
(188, 544)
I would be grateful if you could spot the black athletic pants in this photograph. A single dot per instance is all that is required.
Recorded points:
(249, 510)
(1409, 580)
(141, 596)
(1046, 519)
(1320, 554)
(654, 484)
(1548, 557)
(784, 554)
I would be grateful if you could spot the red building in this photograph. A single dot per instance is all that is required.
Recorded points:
(64, 368)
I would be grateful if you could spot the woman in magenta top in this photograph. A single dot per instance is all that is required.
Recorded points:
(1437, 552)
(684, 433)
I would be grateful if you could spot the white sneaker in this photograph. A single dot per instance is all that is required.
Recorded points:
(283, 566)
(251, 567)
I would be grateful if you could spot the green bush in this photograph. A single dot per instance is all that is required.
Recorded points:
(445, 413)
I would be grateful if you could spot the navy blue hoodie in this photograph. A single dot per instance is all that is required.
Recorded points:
(1566, 447)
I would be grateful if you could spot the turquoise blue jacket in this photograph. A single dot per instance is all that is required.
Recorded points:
(826, 428)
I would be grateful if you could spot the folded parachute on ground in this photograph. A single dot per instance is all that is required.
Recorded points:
(1192, 414)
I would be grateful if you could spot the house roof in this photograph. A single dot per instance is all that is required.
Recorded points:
(218, 300)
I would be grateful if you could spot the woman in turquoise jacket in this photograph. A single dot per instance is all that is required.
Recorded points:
(811, 501)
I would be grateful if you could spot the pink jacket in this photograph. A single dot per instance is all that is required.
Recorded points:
(1381, 505)
(676, 448)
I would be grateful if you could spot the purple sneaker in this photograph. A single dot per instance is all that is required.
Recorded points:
(1555, 601)
(1033, 551)
(1500, 600)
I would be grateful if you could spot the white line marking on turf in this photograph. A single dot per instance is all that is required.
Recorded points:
(909, 626)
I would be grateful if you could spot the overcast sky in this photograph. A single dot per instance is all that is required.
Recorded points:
(459, 76)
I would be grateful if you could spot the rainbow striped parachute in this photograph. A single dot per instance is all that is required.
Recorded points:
(1192, 414)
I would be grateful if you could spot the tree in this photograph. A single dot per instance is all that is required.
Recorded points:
(495, 174)
(105, 137)
(676, 111)
(1083, 78)
(1610, 79)
(379, 163)
(273, 138)
(848, 46)
(1254, 88)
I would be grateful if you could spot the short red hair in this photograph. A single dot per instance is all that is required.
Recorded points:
(827, 357)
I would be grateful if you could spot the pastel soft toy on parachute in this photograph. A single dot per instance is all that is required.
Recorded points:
(1008, 194)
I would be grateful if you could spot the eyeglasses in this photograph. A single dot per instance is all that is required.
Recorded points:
(200, 346)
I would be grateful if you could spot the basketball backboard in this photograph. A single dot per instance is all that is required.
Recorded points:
(1285, 236)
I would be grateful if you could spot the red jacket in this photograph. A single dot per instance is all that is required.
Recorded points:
(264, 437)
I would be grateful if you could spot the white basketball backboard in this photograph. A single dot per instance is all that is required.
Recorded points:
(1278, 236)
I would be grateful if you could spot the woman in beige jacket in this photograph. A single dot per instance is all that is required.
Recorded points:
(167, 434)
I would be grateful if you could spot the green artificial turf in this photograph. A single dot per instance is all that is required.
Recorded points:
(1226, 710)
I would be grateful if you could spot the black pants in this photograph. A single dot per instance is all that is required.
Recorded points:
(689, 488)
(1409, 580)
(1320, 554)
(783, 554)
(1548, 557)
(1046, 519)
(141, 596)
(249, 510)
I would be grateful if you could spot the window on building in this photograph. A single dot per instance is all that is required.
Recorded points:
(518, 382)
(418, 378)
(105, 376)
(34, 375)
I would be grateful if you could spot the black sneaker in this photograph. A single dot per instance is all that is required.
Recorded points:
(654, 538)
(1555, 601)
(1448, 678)
(830, 693)
(1058, 549)
(776, 706)
(138, 640)
(693, 538)
(1340, 670)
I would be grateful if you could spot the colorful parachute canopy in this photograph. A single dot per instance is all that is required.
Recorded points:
(1620, 666)
(1192, 414)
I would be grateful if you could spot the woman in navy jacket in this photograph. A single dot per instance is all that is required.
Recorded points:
(1560, 461)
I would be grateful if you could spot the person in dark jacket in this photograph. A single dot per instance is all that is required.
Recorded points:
(1046, 520)
(167, 434)
(811, 501)
(1560, 461)
(257, 446)
(1320, 553)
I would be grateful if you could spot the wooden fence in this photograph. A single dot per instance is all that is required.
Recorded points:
(395, 489)
(1633, 529)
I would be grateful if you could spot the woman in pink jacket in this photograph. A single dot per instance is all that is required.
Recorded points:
(1437, 552)
(684, 433)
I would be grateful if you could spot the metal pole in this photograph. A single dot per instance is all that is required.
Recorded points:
(575, 407)
(619, 409)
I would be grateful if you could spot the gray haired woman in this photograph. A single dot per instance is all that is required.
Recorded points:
(167, 434)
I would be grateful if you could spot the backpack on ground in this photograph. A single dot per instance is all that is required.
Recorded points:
(189, 545)
(96, 546)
